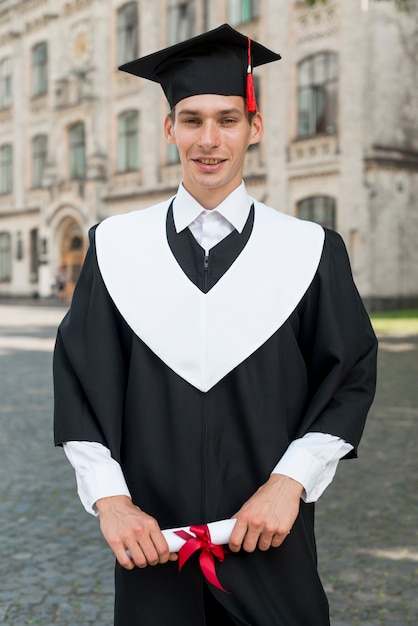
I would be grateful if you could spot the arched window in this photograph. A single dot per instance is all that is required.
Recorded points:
(6, 168)
(319, 209)
(76, 243)
(127, 24)
(5, 258)
(77, 143)
(39, 156)
(317, 95)
(39, 69)
(128, 141)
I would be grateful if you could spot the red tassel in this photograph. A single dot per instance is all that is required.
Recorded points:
(251, 101)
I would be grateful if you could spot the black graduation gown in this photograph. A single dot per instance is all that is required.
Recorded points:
(191, 457)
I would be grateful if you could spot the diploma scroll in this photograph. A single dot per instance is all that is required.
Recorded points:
(206, 539)
(219, 533)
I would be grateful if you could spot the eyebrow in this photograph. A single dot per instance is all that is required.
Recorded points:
(196, 112)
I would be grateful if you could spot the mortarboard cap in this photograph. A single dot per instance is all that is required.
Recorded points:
(219, 61)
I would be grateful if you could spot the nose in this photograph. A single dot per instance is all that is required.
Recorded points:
(209, 135)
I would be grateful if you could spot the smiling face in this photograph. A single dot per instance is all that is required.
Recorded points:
(212, 134)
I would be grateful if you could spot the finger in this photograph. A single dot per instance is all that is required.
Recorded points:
(252, 539)
(265, 541)
(278, 539)
(123, 557)
(237, 536)
(136, 555)
(151, 549)
(161, 546)
(149, 552)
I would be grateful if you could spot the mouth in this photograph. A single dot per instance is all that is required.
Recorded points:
(208, 161)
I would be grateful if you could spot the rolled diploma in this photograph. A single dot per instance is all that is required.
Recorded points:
(219, 533)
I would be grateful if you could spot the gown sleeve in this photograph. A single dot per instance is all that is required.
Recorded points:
(339, 348)
(89, 364)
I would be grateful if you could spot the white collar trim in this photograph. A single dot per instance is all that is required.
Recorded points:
(203, 337)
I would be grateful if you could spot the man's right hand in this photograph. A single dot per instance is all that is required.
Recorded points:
(127, 529)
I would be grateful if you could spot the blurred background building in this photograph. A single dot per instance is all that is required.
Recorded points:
(80, 140)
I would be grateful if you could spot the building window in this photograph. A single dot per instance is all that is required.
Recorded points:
(5, 83)
(77, 151)
(76, 244)
(127, 33)
(240, 11)
(5, 258)
(34, 255)
(319, 209)
(39, 69)
(181, 20)
(19, 246)
(128, 141)
(39, 157)
(172, 154)
(6, 168)
(317, 95)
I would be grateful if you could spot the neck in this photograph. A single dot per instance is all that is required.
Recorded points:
(209, 199)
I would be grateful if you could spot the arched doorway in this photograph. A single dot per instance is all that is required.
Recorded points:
(72, 257)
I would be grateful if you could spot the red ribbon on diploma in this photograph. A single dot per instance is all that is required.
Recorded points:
(202, 541)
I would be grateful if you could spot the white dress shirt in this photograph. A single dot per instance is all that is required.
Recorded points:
(311, 460)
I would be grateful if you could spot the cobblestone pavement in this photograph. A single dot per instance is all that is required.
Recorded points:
(56, 569)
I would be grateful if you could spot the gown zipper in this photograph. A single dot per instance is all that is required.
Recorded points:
(205, 272)
(205, 407)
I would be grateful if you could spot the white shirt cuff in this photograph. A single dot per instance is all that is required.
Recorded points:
(98, 475)
(312, 461)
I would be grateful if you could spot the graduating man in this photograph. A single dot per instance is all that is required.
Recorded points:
(217, 362)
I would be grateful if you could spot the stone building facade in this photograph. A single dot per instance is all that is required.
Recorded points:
(80, 140)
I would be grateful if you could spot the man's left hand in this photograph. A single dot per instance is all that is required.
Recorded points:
(267, 518)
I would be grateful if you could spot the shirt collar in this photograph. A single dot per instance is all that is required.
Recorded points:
(235, 208)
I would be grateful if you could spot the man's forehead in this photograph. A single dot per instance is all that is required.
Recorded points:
(212, 102)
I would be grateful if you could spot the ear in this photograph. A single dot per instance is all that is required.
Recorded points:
(257, 128)
(169, 130)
